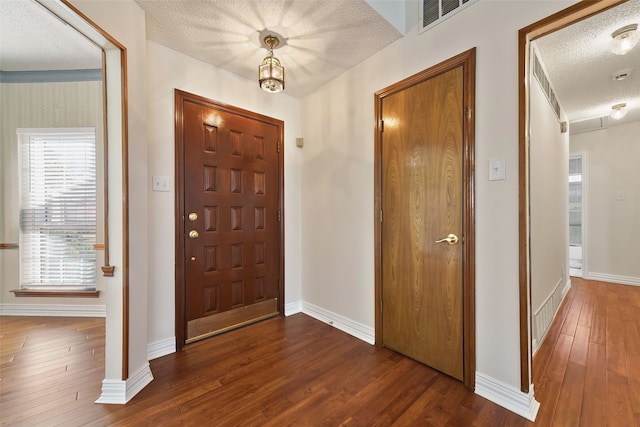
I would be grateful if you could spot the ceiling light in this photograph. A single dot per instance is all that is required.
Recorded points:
(624, 39)
(270, 72)
(618, 111)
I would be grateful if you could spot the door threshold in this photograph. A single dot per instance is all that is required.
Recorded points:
(219, 323)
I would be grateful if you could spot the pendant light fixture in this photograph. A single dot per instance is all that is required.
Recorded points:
(618, 111)
(624, 39)
(271, 72)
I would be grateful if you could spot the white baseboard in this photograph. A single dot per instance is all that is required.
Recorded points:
(119, 392)
(613, 278)
(161, 348)
(53, 310)
(507, 396)
(292, 308)
(358, 330)
(168, 346)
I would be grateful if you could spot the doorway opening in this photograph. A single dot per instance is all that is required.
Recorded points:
(576, 215)
(555, 22)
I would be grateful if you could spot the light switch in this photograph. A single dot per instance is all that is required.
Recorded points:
(160, 183)
(497, 169)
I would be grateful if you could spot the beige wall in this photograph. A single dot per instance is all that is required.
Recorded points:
(612, 229)
(43, 105)
(549, 207)
(124, 20)
(332, 189)
(169, 70)
(338, 169)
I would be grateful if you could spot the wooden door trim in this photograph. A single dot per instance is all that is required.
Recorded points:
(180, 98)
(548, 25)
(467, 60)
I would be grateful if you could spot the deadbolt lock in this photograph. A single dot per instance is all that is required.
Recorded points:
(193, 216)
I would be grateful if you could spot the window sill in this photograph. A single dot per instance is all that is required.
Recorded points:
(54, 293)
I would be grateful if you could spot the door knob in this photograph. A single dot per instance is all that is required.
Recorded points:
(451, 239)
(193, 216)
(193, 234)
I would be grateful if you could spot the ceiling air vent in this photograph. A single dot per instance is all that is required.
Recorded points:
(435, 11)
(588, 125)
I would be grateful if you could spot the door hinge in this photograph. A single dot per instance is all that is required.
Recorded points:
(278, 146)
(381, 125)
(279, 216)
(381, 305)
(380, 215)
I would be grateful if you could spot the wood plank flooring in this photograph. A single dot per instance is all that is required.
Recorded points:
(587, 370)
(299, 371)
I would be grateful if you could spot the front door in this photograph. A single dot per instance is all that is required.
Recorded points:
(231, 217)
(423, 229)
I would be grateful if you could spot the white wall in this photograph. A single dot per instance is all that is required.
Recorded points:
(549, 206)
(169, 70)
(612, 229)
(337, 174)
(43, 105)
(124, 20)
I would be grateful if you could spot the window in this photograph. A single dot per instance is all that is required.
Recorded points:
(57, 208)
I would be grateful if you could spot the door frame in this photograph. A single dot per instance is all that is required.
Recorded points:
(466, 60)
(180, 271)
(541, 28)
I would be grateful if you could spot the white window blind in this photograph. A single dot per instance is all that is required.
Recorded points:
(57, 208)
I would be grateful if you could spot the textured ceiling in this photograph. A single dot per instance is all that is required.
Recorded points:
(580, 64)
(323, 38)
(33, 39)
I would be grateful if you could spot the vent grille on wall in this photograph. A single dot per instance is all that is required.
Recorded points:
(435, 11)
(541, 76)
(588, 125)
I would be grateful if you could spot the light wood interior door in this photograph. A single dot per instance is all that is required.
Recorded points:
(422, 231)
(231, 220)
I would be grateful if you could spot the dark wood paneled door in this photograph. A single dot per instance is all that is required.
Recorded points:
(231, 219)
(422, 152)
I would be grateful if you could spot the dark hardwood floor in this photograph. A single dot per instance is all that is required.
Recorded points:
(299, 371)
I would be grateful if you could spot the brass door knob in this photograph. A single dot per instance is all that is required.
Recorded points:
(193, 216)
(193, 234)
(451, 239)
